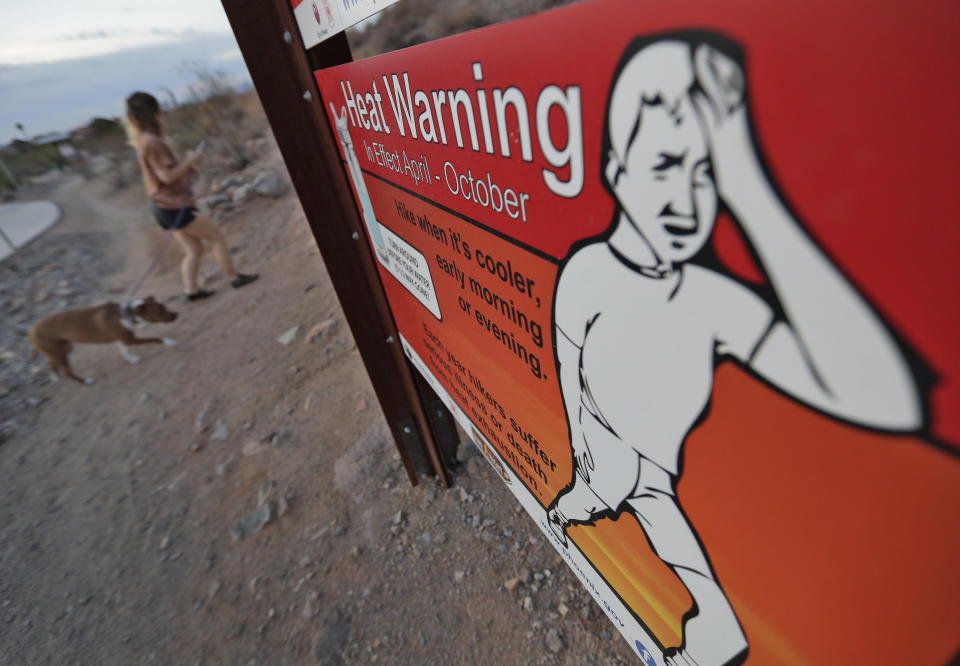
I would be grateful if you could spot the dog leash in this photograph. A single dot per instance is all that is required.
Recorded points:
(176, 225)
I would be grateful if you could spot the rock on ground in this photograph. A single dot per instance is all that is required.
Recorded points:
(288, 336)
(269, 183)
(254, 522)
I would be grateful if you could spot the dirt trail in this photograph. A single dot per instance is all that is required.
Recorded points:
(117, 501)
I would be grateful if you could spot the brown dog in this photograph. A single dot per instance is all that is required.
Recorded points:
(54, 336)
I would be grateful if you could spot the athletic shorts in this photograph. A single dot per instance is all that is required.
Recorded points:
(172, 218)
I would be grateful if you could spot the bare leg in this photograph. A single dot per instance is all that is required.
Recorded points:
(190, 266)
(712, 635)
(203, 228)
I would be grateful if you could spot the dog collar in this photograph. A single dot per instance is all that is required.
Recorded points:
(126, 310)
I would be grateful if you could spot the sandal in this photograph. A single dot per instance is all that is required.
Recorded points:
(198, 294)
(243, 279)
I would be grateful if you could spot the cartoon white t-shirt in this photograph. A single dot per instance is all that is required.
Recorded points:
(648, 350)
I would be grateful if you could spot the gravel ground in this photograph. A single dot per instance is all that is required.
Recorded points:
(236, 499)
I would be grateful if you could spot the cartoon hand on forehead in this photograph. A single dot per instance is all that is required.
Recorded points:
(721, 102)
(721, 79)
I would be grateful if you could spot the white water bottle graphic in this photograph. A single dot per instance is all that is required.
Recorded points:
(353, 168)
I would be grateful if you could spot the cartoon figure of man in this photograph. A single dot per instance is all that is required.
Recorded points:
(640, 327)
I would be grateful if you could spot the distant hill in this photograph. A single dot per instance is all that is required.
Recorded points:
(416, 21)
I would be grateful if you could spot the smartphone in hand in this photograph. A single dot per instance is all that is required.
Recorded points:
(200, 147)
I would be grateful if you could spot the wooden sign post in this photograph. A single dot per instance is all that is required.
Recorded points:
(281, 71)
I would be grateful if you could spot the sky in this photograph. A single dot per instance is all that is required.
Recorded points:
(63, 62)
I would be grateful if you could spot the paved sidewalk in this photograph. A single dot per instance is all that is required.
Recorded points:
(21, 222)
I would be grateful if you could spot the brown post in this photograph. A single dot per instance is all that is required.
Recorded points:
(272, 48)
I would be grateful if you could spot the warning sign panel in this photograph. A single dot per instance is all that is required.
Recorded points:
(682, 272)
(320, 20)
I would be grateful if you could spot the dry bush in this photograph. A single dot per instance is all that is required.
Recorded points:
(209, 113)
(25, 159)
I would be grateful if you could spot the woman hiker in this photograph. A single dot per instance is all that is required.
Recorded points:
(167, 183)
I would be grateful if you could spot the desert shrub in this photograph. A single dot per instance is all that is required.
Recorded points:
(25, 159)
(209, 113)
(101, 127)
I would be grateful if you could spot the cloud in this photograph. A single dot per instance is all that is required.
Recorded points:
(174, 33)
(91, 35)
(66, 94)
(229, 54)
(85, 44)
